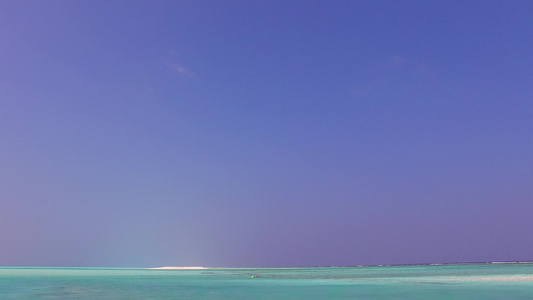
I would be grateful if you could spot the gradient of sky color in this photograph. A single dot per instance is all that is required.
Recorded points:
(265, 133)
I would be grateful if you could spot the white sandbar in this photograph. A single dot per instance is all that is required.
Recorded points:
(178, 268)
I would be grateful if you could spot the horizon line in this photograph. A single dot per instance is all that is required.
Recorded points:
(169, 268)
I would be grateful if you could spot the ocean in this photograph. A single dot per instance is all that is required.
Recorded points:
(473, 282)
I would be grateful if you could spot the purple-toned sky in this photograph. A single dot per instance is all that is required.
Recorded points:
(265, 133)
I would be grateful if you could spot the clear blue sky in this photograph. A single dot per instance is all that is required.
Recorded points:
(265, 133)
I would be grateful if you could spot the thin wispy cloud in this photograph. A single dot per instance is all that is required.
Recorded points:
(396, 75)
(179, 69)
(174, 63)
(410, 65)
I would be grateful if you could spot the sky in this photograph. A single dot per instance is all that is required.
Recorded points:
(265, 133)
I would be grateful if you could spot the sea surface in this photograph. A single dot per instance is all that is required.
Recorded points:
(473, 282)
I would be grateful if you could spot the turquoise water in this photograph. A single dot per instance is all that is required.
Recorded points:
(487, 282)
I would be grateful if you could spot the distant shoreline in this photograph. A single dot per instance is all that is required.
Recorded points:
(348, 266)
(178, 268)
(284, 267)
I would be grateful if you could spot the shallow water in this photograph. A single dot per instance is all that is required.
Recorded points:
(487, 282)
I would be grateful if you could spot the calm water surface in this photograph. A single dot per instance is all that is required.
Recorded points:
(487, 282)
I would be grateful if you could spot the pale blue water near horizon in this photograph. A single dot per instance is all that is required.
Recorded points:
(481, 281)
